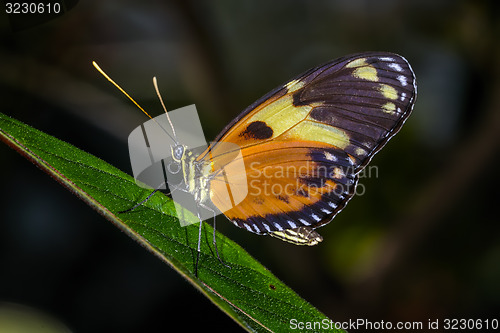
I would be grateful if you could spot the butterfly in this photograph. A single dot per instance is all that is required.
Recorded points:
(307, 140)
(303, 146)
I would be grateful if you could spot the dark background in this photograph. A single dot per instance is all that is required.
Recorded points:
(423, 242)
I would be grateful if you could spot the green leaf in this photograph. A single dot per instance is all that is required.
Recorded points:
(246, 291)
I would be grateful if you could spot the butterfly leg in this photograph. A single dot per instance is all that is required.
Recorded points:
(199, 243)
(147, 198)
(214, 241)
(140, 203)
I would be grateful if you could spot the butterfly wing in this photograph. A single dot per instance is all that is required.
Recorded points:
(291, 185)
(332, 118)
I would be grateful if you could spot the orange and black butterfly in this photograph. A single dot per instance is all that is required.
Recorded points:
(312, 136)
(304, 144)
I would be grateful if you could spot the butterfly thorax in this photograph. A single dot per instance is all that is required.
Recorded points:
(195, 174)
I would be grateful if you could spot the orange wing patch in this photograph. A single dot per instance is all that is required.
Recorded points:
(290, 185)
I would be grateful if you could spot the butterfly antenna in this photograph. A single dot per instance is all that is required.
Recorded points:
(133, 101)
(155, 83)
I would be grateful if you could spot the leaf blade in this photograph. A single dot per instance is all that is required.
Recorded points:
(243, 292)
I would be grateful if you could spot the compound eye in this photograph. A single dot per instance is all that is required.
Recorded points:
(178, 152)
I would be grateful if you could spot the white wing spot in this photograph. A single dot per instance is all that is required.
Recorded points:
(266, 226)
(403, 96)
(304, 222)
(248, 227)
(338, 173)
(326, 211)
(396, 67)
(292, 224)
(332, 204)
(316, 217)
(402, 80)
(277, 226)
(386, 59)
(330, 157)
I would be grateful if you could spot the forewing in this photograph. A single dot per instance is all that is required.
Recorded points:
(356, 104)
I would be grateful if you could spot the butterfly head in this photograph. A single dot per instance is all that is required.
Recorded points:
(178, 152)
(178, 156)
